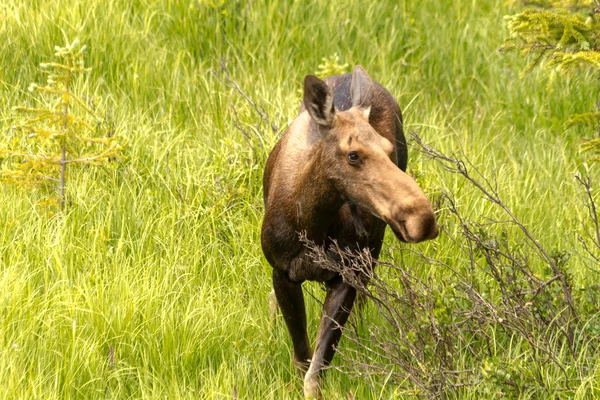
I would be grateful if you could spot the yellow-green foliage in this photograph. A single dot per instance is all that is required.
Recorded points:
(63, 129)
(564, 36)
(588, 119)
(572, 5)
(592, 146)
(331, 66)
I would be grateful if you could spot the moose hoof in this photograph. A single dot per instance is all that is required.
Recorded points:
(311, 388)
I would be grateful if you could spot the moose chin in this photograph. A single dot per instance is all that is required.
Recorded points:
(337, 174)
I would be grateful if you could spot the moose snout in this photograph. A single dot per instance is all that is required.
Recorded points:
(421, 227)
(414, 227)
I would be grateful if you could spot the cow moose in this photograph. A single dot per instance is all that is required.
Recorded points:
(336, 174)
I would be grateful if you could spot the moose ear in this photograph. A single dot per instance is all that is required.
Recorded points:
(360, 89)
(318, 100)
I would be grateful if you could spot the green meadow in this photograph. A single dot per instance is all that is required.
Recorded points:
(152, 283)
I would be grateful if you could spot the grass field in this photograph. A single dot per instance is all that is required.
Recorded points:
(152, 283)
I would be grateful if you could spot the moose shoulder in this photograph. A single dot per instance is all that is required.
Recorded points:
(336, 174)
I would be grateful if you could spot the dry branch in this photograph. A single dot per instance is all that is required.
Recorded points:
(438, 336)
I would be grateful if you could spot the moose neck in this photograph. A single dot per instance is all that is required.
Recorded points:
(317, 200)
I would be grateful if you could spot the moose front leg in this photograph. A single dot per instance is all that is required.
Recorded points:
(291, 303)
(338, 304)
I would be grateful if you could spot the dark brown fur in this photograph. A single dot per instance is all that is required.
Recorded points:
(304, 194)
(386, 118)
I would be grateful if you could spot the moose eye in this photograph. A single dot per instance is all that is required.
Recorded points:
(353, 157)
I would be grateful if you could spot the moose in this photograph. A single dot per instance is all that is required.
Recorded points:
(336, 174)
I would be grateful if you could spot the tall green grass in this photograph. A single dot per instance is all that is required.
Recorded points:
(152, 283)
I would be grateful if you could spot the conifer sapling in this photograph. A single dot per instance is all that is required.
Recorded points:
(64, 130)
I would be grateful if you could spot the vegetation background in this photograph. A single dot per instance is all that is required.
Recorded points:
(152, 283)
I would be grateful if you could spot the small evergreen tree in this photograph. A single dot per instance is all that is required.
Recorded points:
(64, 130)
(562, 36)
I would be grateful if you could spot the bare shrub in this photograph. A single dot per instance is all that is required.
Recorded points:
(506, 294)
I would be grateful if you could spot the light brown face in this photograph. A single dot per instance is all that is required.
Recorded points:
(359, 161)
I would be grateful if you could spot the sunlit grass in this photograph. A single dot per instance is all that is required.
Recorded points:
(152, 283)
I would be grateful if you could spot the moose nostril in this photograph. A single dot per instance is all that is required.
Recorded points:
(430, 228)
(422, 226)
(433, 231)
(415, 227)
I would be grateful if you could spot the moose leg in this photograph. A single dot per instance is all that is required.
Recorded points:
(273, 306)
(338, 303)
(291, 303)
